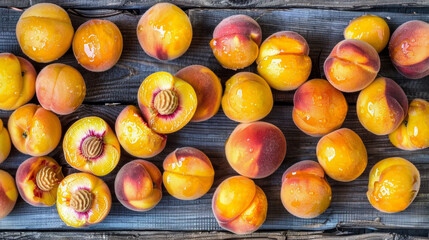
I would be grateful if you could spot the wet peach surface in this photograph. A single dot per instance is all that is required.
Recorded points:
(8, 193)
(5, 144)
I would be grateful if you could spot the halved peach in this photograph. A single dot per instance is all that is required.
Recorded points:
(5, 144)
(83, 200)
(8, 193)
(37, 179)
(90, 145)
(168, 103)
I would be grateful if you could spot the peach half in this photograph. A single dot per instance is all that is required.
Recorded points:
(8, 193)
(342, 155)
(413, 133)
(97, 45)
(164, 31)
(188, 173)
(17, 77)
(352, 65)
(34, 130)
(44, 32)
(283, 60)
(256, 149)
(83, 200)
(5, 144)
(168, 103)
(37, 179)
(305, 193)
(208, 88)
(239, 205)
(236, 41)
(138, 185)
(90, 145)
(135, 136)
(318, 108)
(247, 98)
(60, 88)
(393, 184)
(382, 106)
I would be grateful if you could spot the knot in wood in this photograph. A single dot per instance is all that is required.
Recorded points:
(46, 178)
(166, 102)
(81, 200)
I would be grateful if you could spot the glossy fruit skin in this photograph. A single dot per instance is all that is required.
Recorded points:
(5, 144)
(8, 193)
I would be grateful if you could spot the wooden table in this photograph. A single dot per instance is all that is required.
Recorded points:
(109, 92)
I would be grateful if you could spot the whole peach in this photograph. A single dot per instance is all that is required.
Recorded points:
(239, 205)
(164, 31)
(8, 193)
(255, 150)
(393, 184)
(17, 79)
(342, 155)
(305, 193)
(4, 142)
(44, 32)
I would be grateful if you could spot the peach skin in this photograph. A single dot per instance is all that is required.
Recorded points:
(318, 108)
(413, 133)
(236, 41)
(83, 200)
(369, 28)
(393, 184)
(8, 193)
(17, 77)
(44, 32)
(37, 179)
(5, 144)
(164, 31)
(138, 185)
(382, 106)
(239, 205)
(409, 49)
(60, 88)
(90, 145)
(305, 193)
(97, 45)
(34, 130)
(208, 88)
(135, 136)
(342, 155)
(168, 103)
(188, 173)
(255, 150)
(247, 98)
(283, 60)
(352, 65)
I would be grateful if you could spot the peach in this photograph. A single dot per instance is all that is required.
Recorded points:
(60, 88)
(34, 130)
(305, 193)
(382, 106)
(255, 150)
(138, 185)
(44, 32)
(413, 133)
(83, 200)
(208, 88)
(90, 145)
(409, 49)
(393, 184)
(17, 79)
(188, 173)
(164, 31)
(236, 41)
(135, 136)
(283, 60)
(239, 205)
(369, 28)
(5, 144)
(342, 155)
(247, 98)
(318, 108)
(352, 65)
(168, 103)
(8, 193)
(37, 179)
(97, 45)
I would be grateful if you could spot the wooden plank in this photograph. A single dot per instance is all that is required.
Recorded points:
(322, 29)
